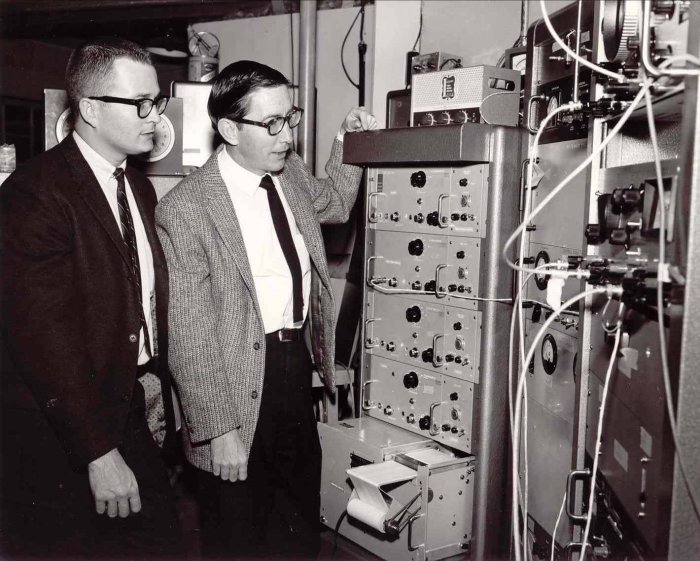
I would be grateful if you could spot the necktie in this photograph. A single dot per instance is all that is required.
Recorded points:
(284, 235)
(129, 234)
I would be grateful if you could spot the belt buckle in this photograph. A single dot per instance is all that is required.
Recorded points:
(287, 335)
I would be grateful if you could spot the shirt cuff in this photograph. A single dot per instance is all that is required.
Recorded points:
(339, 136)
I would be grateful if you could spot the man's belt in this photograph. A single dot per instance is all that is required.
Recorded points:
(286, 335)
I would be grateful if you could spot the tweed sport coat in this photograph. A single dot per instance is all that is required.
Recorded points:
(217, 337)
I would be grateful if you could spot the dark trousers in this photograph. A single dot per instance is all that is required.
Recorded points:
(275, 511)
(63, 524)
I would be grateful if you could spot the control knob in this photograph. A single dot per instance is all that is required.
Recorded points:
(593, 234)
(424, 422)
(427, 120)
(410, 380)
(418, 179)
(432, 219)
(461, 117)
(415, 247)
(444, 118)
(413, 314)
(625, 201)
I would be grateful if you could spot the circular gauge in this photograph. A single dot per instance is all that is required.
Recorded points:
(63, 125)
(549, 354)
(541, 280)
(163, 141)
(552, 104)
(203, 43)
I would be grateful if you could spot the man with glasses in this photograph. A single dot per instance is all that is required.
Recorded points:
(248, 279)
(84, 311)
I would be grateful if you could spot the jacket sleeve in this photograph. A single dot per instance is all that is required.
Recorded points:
(44, 334)
(334, 196)
(194, 355)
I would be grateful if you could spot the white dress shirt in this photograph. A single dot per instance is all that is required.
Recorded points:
(104, 171)
(273, 280)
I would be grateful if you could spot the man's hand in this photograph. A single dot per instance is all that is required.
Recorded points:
(228, 457)
(358, 119)
(113, 485)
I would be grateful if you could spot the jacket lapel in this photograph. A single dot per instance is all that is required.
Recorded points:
(91, 192)
(223, 216)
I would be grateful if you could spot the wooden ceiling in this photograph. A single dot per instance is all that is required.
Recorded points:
(70, 22)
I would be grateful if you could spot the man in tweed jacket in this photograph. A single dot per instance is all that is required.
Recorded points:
(239, 305)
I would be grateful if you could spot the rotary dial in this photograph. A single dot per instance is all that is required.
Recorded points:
(163, 140)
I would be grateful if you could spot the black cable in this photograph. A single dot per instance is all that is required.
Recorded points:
(291, 39)
(342, 49)
(337, 527)
(362, 20)
(420, 30)
(361, 51)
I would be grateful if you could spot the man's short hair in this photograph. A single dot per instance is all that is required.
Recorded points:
(231, 89)
(90, 65)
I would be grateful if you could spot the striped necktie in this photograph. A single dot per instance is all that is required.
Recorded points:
(129, 235)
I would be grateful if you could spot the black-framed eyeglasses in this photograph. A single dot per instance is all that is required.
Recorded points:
(144, 106)
(275, 125)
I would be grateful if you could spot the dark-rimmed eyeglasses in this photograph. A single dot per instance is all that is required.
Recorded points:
(144, 106)
(275, 125)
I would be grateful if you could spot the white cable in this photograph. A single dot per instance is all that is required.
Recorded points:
(519, 396)
(410, 292)
(660, 306)
(556, 524)
(521, 324)
(685, 57)
(572, 54)
(599, 436)
(623, 119)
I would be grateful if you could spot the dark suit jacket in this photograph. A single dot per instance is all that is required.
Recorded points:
(70, 318)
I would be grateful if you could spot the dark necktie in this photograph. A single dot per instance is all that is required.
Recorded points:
(284, 235)
(129, 234)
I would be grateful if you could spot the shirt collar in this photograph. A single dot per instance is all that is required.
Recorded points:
(236, 175)
(102, 169)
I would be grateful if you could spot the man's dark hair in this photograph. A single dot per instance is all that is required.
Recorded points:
(231, 89)
(90, 65)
